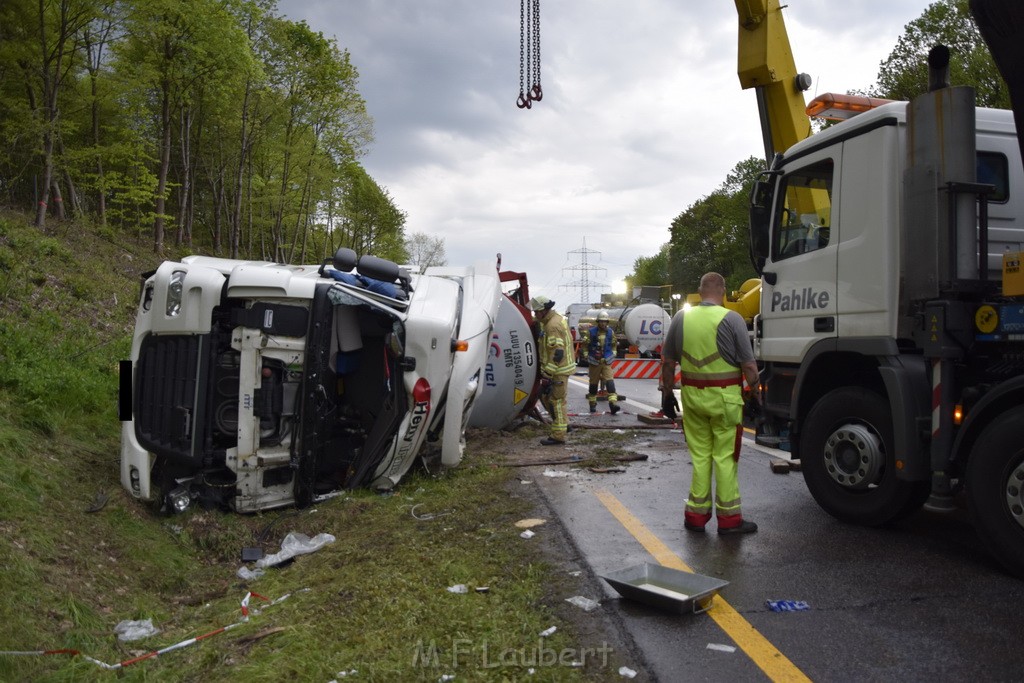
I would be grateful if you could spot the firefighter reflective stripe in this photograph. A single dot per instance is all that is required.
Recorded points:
(556, 336)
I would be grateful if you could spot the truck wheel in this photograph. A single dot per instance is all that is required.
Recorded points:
(847, 459)
(995, 488)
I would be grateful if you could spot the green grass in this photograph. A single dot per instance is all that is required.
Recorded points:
(375, 601)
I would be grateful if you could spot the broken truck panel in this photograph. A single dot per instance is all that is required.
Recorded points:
(258, 385)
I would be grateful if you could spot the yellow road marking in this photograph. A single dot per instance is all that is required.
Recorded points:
(768, 657)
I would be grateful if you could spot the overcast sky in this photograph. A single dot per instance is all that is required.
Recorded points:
(642, 116)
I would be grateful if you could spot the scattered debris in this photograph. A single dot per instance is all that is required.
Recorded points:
(157, 653)
(483, 589)
(246, 574)
(787, 605)
(794, 465)
(585, 604)
(295, 544)
(556, 474)
(98, 502)
(606, 470)
(129, 630)
(619, 431)
(572, 460)
(429, 515)
(459, 588)
(655, 419)
(527, 534)
(779, 466)
(548, 631)
(343, 674)
(721, 648)
(261, 635)
(626, 672)
(530, 523)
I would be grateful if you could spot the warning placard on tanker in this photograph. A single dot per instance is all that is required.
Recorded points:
(510, 372)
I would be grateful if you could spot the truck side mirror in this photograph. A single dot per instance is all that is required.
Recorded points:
(760, 220)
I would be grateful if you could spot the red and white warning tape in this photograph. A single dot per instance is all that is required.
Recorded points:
(163, 651)
(635, 368)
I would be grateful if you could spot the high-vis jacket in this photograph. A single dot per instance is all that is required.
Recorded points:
(556, 336)
(709, 380)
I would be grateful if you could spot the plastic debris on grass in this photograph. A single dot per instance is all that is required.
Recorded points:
(556, 474)
(626, 672)
(295, 544)
(459, 588)
(129, 630)
(548, 631)
(530, 523)
(527, 534)
(585, 604)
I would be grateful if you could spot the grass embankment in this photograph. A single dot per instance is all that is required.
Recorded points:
(375, 601)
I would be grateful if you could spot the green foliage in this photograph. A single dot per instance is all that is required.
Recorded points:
(711, 235)
(903, 75)
(236, 128)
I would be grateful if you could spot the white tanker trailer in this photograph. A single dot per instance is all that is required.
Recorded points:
(639, 328)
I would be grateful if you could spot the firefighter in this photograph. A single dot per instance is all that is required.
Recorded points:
(600, 353)
(556, 366)
(711, 345)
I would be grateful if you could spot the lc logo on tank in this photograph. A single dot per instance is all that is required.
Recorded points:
(652, 327)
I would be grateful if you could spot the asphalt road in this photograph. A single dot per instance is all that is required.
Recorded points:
(917, 601)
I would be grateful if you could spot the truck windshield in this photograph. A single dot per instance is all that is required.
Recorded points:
(802, 224)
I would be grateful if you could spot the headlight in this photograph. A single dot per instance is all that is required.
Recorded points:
(175, 286)
(179, 500)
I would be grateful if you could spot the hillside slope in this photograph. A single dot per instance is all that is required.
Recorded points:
(78, 555)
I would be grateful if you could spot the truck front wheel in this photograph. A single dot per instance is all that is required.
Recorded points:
(995, 488)
(847, 458)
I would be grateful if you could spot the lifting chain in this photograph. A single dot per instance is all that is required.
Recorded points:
(530, 90)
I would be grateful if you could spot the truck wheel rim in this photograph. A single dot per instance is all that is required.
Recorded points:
(854, 456)
(1015, 493)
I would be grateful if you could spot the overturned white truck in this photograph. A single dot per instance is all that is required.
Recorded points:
(255, 385)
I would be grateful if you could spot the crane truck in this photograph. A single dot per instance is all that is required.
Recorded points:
(891, 322)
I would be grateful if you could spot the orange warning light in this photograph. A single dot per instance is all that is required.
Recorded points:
(837, 107)
(958, 414)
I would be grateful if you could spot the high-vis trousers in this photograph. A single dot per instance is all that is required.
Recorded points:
(713, 429)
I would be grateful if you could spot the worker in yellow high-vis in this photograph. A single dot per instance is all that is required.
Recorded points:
(712, 347)
(556, 366)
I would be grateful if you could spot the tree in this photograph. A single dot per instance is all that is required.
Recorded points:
(904, 73)
(650, 270)
(174, 48)
(425, 251)
(712, 234)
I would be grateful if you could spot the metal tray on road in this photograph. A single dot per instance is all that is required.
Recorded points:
(666, 588)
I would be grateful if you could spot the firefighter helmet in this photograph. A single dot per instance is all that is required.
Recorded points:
(540, 303)
(602, 316)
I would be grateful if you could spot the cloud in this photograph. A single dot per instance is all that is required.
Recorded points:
(642, 116)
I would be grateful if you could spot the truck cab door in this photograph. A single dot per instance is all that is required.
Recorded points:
(798, 298)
